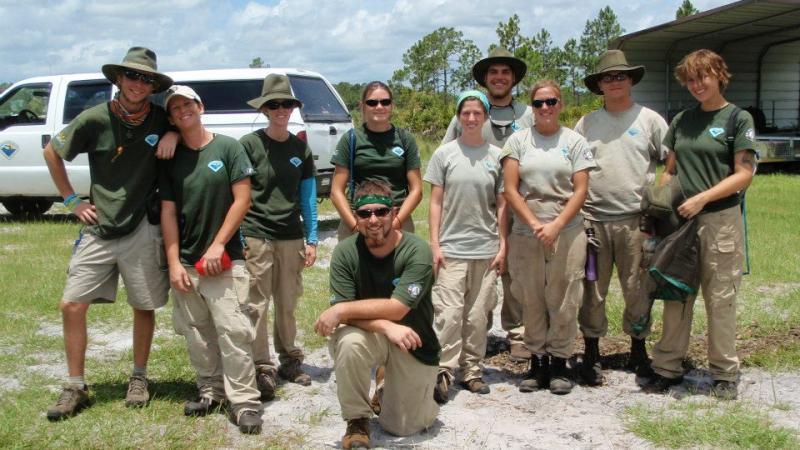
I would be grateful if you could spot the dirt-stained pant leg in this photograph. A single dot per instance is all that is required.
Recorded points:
(721, 256)
(260, 263)
(526, 261)
(563, 290)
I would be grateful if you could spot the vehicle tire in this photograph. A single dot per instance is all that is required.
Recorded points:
(27, 206)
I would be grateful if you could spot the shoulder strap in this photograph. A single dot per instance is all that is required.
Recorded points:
(352, 146)
(730, 128)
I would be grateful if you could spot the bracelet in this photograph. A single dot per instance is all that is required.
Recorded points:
(72, 201)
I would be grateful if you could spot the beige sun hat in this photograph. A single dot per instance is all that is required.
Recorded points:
(275, 87)
(141, 60)
(612, 61)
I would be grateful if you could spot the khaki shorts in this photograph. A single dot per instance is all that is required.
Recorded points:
(97, 264)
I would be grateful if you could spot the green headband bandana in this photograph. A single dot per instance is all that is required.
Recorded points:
(372, 198)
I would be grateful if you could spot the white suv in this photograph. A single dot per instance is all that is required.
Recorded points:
(33, 110)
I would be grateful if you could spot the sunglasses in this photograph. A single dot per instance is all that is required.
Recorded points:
(614, 77)
(548, 101)
(374, 102)
(285, 104)
(377, 212)
(134, 76)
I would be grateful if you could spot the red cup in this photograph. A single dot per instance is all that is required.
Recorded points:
(226, 263)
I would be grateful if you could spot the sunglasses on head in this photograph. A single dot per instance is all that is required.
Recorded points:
(374, 102)
(614, 77)
(275, 104)
(134, 76)
(377, 212)
(548, 101)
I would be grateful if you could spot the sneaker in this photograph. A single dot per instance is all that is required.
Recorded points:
(538, 375)
(375, 401)
(71, 401)
(591, 370)
(441, 392)
(560, 382)
(519, 353)
(292, 372)
(266, 382)
(249, 421)
(660, 384)
(201, 407)
(476, 386)
(357, 434)
(137, 395)
(725, 390)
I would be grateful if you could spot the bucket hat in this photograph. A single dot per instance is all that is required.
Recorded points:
(612, 61)
(276, 87)
(142, 60)
(499, 55)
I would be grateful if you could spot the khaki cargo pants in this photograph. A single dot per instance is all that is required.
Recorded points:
(721, 255)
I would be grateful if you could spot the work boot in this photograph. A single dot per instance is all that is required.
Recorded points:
(375, 401)
(639, 362)
(201, 407)
(476, 386)
(266, 382)
(659, 384)
(137, 395)
(560, 382)
(248, 420)
(71, 401)
(725, 390)
(357, 434)
(519, 353)
(292, 372)
(441, 392)
(591, 370)
(538, 376)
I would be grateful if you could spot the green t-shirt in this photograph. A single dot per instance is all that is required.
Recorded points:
(406, 275)
(703, 159)
(279, 167)
(199, 182)
(122, 182)
(386, 156)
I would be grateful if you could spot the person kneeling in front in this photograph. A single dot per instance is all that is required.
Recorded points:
(382, 315)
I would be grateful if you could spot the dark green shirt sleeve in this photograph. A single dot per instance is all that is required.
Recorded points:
(745, 132)
(240, 164)
(309, 169)
(165, 190)
(412, 152)
(342, 278)
(342, 155)
(76, 138)
(416, 278)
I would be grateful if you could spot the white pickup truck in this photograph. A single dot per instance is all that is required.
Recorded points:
(35, 109)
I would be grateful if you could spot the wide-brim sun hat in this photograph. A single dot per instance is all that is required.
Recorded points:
(275, 87)
(141, 60)
(499, 55)
(612, 61)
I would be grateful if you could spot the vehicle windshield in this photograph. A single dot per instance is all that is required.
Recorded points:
(28, 103)
(319, 103)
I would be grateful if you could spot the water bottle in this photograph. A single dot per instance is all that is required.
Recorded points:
(591, 256)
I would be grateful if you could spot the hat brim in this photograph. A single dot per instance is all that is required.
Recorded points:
(592, 81)
(481, 67)
(258, 102)
(113, 71)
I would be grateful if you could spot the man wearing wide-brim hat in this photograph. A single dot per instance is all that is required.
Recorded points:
(121, 236)
(626, 139)
(498, 74)
(283, 190)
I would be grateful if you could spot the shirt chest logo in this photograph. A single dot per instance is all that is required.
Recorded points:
(151, 139)
(399, 152)
(565, 153)
(489, 164)
(396, 281)
(295, 161)
(633, 131)
(514, 126)
(215, 165)
(716, 131)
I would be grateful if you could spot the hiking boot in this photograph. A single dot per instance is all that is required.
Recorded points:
(265, 380)
(137, 395)
(71, 401)
(519, 353)
(638, 361)
(375, 401)
(292, 372)
(660, 384)
(725, 390)
(357, 434)
(476, 386)
(538, 375)
(201, 407)
(441, 392)
(249, 421)
(560, 382)
(591, 370)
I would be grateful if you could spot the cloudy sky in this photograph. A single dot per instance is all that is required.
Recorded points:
(346, 40)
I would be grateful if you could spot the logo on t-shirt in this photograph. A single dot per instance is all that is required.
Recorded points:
(716, 131)
(296, 161)
(414, 289)
(633, 131)
(398, 151)
(565, 153)
(249, 171)
(750, 134)
(216, 165)
(151, 139)
(514, 126)
(396, 281)
(489, 164)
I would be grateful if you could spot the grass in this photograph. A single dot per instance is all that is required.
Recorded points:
(709, 424)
